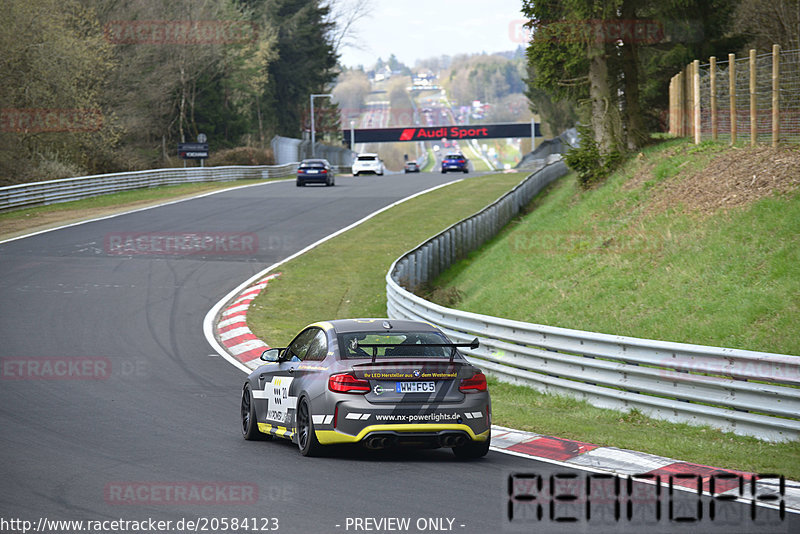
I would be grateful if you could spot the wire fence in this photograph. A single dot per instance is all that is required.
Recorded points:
(756, 98)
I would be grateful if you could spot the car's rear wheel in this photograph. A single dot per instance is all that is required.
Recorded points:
(250, 429)
(473, 449)
(306, 437)
(299, 183)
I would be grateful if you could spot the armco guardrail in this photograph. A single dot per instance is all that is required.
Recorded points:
(746, 392)
(53, 191)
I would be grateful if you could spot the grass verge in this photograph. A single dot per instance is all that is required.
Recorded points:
(430, 166)
(478, 165)
(27, 220)
(345, 277)
(625, 258)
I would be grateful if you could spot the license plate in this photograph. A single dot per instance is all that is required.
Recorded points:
(415, 387)
(312, 172)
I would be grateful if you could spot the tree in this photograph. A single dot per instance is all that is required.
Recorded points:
(305, 63)
(604, 56)
(345, 15)
(769, 22)
(351, 91)
(52, 74)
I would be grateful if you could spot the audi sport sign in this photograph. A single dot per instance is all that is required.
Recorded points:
(436, 133)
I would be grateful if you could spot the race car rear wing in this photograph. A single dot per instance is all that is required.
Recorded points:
(453, 346)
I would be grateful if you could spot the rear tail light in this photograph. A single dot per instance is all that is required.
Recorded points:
(324, 171)
(347, 383)
(473, 385)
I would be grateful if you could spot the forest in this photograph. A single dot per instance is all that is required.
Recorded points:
(606, 65)
(97, 86)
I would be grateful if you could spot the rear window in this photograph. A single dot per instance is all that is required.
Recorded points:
(367, 158)
(454, 156)
(402, 345)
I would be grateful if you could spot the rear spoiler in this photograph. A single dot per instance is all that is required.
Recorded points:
(453, 346)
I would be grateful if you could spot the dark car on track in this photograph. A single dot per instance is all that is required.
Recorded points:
(379, 382)
(454, 162)
(315, 171)
(411, 166)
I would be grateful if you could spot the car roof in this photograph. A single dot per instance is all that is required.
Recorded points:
(317, 160)
(367, 154)
(454, 156)
(344, 326)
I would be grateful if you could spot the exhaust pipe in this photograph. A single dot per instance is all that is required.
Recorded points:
(453, 440)
(380, 442)
(376, 442)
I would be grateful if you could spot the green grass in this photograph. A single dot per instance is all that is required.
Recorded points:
(598, 260)
(526, 409)
(431, 162)
(478, 164)
(345, 277)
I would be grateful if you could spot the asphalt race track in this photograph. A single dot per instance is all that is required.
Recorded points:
(113, 405)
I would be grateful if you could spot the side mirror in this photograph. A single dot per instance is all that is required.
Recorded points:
(271, 355)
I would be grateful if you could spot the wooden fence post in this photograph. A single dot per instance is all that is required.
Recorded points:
(776, 101)
(753, 103)
(713, 73)
(696, 100)
(732, 93)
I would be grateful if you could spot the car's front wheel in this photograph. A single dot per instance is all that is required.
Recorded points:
(306, 437)
(250, 429)
(473, 449)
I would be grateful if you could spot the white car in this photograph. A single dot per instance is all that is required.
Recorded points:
(368, 163)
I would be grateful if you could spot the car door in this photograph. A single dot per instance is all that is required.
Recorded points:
(276, 384)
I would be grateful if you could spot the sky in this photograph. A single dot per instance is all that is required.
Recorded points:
(420, 29)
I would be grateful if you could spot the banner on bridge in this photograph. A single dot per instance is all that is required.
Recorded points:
(437, 133)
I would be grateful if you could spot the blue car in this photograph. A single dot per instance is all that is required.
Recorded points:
(454, 162)
(315, 171)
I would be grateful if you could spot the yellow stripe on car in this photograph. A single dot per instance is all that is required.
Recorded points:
(280, 431)
(327, 437)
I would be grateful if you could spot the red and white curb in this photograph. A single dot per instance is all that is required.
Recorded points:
(232, 331)
(692, 477)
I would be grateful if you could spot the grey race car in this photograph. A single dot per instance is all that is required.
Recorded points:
(379, 382)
